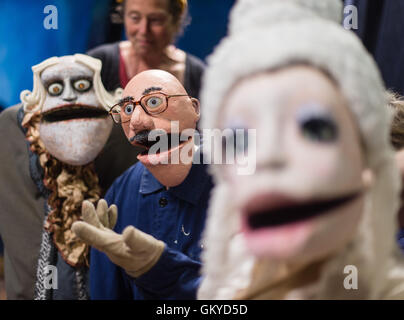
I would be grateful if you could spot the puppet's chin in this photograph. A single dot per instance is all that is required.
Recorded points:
(282, 228)
(77, 141)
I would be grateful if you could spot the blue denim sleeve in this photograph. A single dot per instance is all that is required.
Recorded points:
(106, 280)
(174, 277)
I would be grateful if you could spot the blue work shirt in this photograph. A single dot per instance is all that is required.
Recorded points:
(175, 216)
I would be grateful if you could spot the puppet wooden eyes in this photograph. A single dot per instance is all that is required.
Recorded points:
(317, 124)
(81, 85)
(55, 89)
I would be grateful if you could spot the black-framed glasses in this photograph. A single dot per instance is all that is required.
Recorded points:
(152, 103)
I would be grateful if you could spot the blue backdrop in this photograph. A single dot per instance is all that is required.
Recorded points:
(82, 24)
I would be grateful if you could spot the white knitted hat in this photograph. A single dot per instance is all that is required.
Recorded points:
(298, 32)
(311, 40)
(271, 11)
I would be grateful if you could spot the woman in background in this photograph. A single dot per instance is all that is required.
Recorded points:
(151, 27)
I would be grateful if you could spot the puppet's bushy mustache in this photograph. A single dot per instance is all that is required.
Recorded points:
(142, 137)
(148, 138)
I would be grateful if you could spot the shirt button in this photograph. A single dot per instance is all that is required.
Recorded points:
(163, 202)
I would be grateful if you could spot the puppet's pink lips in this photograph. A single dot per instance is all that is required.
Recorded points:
(276, 210)
(73, 112)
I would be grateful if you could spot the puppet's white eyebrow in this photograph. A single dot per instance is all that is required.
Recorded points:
(308, 110)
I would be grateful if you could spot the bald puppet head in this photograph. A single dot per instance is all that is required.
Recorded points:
(158, 115)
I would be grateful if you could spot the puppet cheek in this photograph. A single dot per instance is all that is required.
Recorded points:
(75, 142)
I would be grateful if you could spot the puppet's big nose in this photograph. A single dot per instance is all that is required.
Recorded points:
(271, 149)
(140, 120)
(69, 94)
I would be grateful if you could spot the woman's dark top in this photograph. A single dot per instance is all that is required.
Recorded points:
(109, 54)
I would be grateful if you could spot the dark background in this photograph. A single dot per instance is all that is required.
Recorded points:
(381, 27)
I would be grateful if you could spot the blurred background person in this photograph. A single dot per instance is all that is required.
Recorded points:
(151, 26)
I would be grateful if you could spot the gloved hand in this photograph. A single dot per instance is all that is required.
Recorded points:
(133, 250)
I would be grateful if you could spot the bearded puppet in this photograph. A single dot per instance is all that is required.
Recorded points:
(317, 219)
(67, 126)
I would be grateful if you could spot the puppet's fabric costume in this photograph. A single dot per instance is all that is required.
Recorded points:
(24, 203)
(175, 216)
(269, 35)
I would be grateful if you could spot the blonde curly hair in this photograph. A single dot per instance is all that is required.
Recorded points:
(396, 103)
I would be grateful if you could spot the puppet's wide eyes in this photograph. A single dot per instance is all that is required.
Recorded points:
(154, 102)
(319, 130)
(82, 85)
(129, 109)
(317, 125)
(55, 89)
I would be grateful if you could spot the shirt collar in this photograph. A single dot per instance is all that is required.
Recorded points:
(189, 190)
(148, 183)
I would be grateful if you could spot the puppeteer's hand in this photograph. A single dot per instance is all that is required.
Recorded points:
(133, 250)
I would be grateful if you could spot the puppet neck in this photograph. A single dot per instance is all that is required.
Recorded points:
(172, 175)
(276, 281)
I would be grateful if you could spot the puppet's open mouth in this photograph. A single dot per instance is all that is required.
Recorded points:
(161, 143)
(286, 212)
(72, 112)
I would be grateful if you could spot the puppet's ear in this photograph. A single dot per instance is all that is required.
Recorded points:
(196, 105)
(367, 178)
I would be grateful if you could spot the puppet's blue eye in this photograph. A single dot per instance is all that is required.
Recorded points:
(55, 89)
(154, 102)
(129, 109)
(317, 124)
